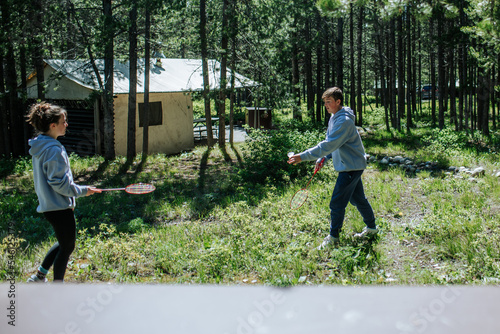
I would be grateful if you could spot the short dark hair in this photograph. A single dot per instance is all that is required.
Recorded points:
(41, 115)
(334, 92)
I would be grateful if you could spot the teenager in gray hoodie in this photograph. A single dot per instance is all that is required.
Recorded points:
(54, 186)
(343, 145)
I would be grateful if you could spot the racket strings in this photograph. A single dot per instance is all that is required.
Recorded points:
(140, 188)
(299, 198)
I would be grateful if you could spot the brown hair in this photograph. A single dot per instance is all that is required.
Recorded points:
(335, 93)
(42, 114)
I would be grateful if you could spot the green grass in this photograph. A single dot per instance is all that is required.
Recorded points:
(206, 223)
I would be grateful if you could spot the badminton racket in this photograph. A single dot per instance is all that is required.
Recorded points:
(301, 195)
(136, 188)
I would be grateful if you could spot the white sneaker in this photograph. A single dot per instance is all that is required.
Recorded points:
(328, 242)
(367, 232)
(35, 279)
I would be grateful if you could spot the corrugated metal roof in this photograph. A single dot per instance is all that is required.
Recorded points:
(174, 75)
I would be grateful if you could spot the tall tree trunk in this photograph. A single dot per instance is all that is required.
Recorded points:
(483, 101)
(496, 96)
(392, 68)
(493, 97)
(383, 84)
(24, 94)
(419, 67)
(401, 74)
(147, 56)
(328, 68)
(309, 72)
(453, 91)
(462, 71)
(107, 96)
(319, 66)
(433, 74)
(339, 47)
(461, 88)
(470, 118)
(360, 57)
(498, 93)
(441, 68)
(352, 80)
(473, 94)
(204, 61)
(132, 97)
(480, 100)
(295, 72)
(16, 117)
(15, 120)
(37, 42)
(409, 65)
(223, 75)
(378, 31)
(234, 42)
(414, 70)
(70, 38)
(5, 141)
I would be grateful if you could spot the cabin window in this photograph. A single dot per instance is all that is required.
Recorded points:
(155, 114)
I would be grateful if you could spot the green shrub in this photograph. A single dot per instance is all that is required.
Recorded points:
(23, 166)
(265, 152)
(133, 226)
(447, 140)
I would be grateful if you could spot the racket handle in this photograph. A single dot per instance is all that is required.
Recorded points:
(111, 189)
(322, 161)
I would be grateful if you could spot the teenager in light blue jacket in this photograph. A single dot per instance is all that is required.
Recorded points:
(343, 145)
(54, 186)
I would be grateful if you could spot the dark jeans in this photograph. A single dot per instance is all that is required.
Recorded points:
(64, 225)
(349, 188)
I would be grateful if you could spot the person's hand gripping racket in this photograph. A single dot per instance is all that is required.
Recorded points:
(301, 195)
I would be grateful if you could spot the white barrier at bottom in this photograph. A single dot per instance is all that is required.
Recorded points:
(203, 309)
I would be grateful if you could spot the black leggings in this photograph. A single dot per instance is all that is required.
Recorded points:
(64, 225)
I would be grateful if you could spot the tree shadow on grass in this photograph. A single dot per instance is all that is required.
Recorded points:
(97, 174)
(217, 185)
(186, 190)
(227, 158)
(238, 155)
(203, 168)
(125, 173)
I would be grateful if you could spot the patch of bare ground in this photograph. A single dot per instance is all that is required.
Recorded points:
(406, 255)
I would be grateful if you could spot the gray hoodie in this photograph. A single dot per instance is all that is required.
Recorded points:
(52, 175)
(342, 144)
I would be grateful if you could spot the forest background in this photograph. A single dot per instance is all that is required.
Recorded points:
(220, 215)
(293, 48)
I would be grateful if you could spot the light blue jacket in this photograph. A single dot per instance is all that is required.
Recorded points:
(342, 144)
(52, 175)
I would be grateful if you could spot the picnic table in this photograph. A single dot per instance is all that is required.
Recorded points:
(200, 127)
(259, 117)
